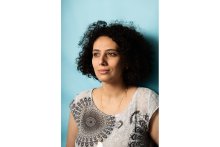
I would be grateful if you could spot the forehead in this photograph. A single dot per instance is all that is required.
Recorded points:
(104, 42)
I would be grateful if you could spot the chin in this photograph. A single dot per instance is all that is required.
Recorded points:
(104, 80)
(108, 80)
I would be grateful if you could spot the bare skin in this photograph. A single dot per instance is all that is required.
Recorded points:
(72, 132)
(154, 127)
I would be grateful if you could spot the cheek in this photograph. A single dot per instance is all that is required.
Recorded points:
(93, 63)
(119, 66)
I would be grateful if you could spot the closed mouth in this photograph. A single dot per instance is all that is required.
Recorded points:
(103, 71)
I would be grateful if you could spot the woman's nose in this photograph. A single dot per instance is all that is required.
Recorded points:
(102, 60)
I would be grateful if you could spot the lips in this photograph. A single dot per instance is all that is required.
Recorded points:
(103, 71)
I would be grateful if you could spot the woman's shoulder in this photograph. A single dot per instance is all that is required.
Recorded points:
(81, 94)
(84, 93)
(147, 100)
(146, 95)
(145, 90)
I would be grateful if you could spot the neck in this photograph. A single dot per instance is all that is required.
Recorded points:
(113, 90)
(112, 97)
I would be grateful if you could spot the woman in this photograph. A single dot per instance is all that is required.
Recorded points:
(119, 113)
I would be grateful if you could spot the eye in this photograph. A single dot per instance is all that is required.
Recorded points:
(95, 54)
(112, 54)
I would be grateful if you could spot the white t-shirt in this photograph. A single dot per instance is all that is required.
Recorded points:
(126, 129)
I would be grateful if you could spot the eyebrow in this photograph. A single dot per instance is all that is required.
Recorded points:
(105, 50)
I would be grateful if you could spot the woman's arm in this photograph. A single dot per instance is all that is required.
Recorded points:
(154, 127)
(72, 132)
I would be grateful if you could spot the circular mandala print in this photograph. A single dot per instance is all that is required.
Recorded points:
(92, 122)
(93, 125)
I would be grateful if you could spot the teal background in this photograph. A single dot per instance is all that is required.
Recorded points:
(76, 15)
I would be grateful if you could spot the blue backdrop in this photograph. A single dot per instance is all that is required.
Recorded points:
(76, 15)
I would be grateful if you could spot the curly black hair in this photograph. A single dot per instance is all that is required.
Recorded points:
(132, 47)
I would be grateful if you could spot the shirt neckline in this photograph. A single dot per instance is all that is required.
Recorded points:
(120, 113)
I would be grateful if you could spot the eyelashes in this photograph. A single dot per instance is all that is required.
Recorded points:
(108, 54)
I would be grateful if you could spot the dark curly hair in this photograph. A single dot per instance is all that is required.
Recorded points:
(132, 47)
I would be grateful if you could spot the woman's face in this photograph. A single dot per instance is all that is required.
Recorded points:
(106, 60)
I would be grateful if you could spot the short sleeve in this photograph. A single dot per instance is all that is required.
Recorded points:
(74, 105)
(153, 103)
